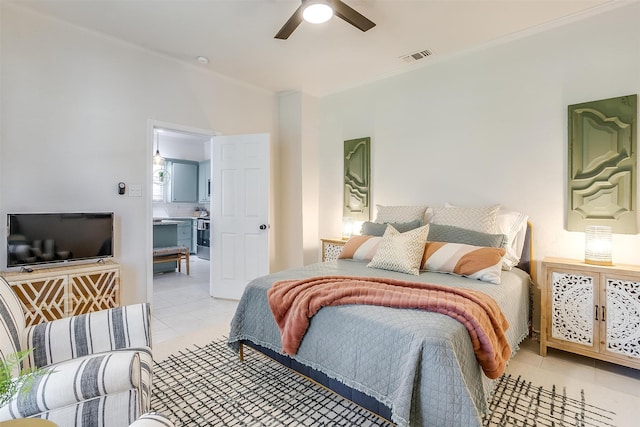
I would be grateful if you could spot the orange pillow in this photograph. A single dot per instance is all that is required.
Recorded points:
(475, 262)
(361, 248)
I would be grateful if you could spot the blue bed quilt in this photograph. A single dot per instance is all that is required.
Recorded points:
(420, 364)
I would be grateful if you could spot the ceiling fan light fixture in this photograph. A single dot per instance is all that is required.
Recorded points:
(317, 12)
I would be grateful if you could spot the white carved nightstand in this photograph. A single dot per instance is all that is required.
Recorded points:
(591, 310)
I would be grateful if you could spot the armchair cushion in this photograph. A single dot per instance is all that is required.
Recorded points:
(113, 410)
(91, 333)
(12, 321)
(71, 382)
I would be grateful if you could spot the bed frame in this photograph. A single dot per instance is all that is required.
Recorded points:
(357, 397)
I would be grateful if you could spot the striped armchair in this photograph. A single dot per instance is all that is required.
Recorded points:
(98, 366)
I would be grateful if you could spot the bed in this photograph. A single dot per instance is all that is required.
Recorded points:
(413, 367)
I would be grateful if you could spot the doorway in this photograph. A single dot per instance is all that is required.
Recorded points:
(180, 206)
(235, 183)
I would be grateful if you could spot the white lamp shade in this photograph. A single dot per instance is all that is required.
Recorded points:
(317, 13)
(598, 245)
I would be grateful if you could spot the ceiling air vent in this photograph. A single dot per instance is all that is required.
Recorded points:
(416, 56)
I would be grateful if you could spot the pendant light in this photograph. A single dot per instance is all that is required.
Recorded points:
(157, 158)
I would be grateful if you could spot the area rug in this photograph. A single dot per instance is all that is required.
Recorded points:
(517, 402)
(209, 386)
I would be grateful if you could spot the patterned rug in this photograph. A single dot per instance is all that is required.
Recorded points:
(209, 386)
(517, 402)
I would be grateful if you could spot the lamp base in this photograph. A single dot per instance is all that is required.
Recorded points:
(595, 262)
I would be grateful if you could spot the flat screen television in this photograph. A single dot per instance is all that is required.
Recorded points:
(41, 238)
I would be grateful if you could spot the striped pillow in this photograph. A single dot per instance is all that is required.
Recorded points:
(68, 383)
(475, 262)
(360, 248)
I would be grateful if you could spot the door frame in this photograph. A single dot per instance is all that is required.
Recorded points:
(151, 125)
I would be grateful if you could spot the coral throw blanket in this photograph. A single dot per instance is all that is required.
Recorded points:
(294, 302)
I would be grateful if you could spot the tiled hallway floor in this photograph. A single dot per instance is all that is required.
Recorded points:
(181, 304)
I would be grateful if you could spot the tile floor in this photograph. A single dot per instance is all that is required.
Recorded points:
(609, 386)
(181, 304)
(184, 315)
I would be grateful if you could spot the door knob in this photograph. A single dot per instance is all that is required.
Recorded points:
(263, 226)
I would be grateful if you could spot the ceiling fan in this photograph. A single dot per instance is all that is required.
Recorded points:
(329, 8)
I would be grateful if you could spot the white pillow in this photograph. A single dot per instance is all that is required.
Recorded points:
(513, 225)
(401, 252)
(400, 213)
(481, 219)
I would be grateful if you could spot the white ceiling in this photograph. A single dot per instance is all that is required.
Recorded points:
(237, 35)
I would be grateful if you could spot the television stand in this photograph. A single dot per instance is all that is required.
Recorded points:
(56, 292)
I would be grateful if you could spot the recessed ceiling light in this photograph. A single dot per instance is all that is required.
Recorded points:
(203, 59)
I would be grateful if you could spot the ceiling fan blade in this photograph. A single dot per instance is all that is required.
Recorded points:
(290, 25)
(352, 16)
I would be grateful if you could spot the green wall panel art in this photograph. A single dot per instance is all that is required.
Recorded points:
(357, 179)
(603, 164)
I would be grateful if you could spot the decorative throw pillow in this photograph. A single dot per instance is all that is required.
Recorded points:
(375, 229)
(400, 213)
(481, 219)
(451, 234)
(361, 248)
(471, 261)
(401, 252)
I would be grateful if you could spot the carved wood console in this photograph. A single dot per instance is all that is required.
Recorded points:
(53, 293)
(591, 310)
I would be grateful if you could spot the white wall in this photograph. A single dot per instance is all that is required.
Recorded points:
(289, 186)
(75, 112)
(309, 176)
(488, 126)
(297, 190)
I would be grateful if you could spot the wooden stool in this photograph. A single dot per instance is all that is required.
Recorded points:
(172, 253)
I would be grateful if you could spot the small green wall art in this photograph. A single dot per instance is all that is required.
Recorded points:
(357, 179)
(603, 164)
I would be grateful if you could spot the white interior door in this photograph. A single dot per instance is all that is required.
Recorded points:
(239, 212)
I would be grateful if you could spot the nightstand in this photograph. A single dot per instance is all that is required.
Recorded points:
(331, 248)
(591, 310)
